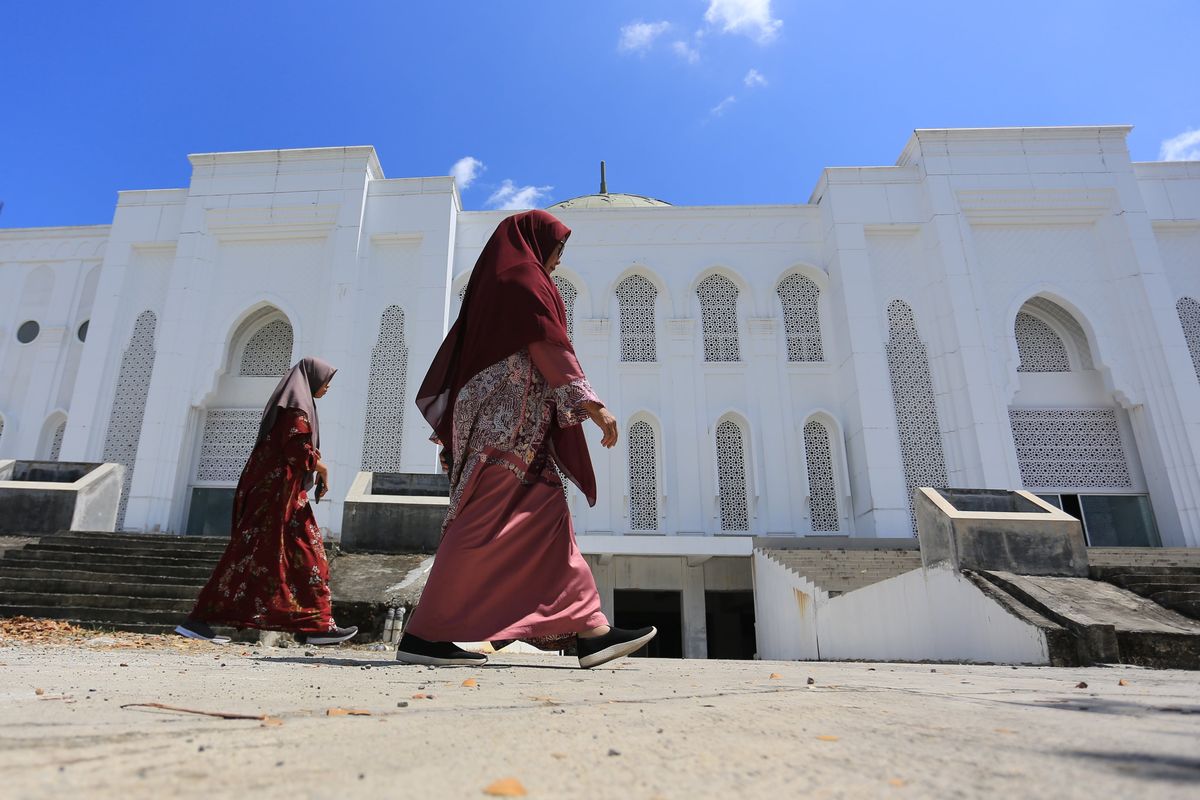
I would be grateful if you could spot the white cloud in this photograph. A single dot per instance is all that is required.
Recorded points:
(637, 37)
(685, 51)
(1184, 147)
(466, 170)
(754, 78)
(510, 197)
(723, 106)
(749, 17)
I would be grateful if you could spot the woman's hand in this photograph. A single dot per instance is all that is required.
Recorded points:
(323, 471)
(605, 420)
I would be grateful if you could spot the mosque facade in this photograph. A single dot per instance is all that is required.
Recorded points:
(999, 308)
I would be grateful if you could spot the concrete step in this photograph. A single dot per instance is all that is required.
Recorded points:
(107, 601)
(98, 549)
(1144, 556)
(141, 539)
(1112, 572)
(1184, 602)
(167, 591)
(32, 557)
(1149, 586)
(80, 572)
(115, 617)
(186, 570)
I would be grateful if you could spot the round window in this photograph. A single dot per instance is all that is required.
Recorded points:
(83, 329)
(28, 332)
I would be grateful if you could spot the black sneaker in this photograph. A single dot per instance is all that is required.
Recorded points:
(617, 643)
(414, 650)
(334, 635)
(194, 629)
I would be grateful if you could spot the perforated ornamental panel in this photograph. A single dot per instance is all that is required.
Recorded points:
(268, 354)
(643, 478)
(1189, 319)
(718, 315)
(636, 297)
(569, 295)
(229, 435)
(383, 434)
(799, 297)
(822, 494)
(129, 403)
(731, 477)
(1, 429)
(1040, 348)
(912, 397)
(1077, 448)
(56, 441)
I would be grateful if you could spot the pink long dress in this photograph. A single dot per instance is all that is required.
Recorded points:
(508, 566)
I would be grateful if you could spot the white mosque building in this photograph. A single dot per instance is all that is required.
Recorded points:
(1002, 307)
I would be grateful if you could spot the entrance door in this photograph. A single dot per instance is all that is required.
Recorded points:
(729, 617)
(664, 610)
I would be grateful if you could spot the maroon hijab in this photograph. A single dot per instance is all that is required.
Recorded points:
(510, 303)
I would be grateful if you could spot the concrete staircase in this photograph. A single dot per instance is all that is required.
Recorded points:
(840, 570)
(1168, 576)
(145, 583)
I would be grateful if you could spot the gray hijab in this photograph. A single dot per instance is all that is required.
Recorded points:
(295, 390)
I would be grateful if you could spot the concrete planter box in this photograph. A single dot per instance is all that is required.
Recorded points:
(998, 529)
(51, 496)
(388, 512)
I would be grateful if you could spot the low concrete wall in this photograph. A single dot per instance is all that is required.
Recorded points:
(394, 513)
(50, 496)
(785, 612)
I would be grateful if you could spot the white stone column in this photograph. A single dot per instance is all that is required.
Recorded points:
(695, 625)
(780, 509)
(685, 446)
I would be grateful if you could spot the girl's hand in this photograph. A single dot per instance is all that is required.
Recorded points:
(323, 471)
(606, 422)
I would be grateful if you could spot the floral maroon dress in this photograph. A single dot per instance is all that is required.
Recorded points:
(274, 574)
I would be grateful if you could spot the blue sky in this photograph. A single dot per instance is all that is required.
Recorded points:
(693, 101)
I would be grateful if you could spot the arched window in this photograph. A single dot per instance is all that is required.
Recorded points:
(1189, 319)
(129, 403)
(1041, 349)
(636, 297)
(569, 295)
(643, 477)
(718, 315)
(384, 430)
(268, 353)
(821, 487)
(799, 297)
(916, 411)
(731, 477)
(56, 440)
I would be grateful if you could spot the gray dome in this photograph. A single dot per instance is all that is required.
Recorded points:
(606, 200)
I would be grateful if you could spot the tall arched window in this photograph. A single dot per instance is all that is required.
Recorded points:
(799, 297)
(731, 477)
(129, 403)
(718, 315)
(636, 298)
(569, 294)
(1189, 319)
(384, 430)
(1041, 349)
(643, 477)
(916, 411)
(268, 353)
(822, 493)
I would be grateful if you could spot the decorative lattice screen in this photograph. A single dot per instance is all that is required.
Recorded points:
(268, 353)
(731, 477)
(636, 297)
(569, 295)
(56, 441)
(916, 411)
(799, 297)
(383, 433)
(1040, 348)
(229, 435)
(821, 488)
(718, 316)
(1075, 448)
(643, 478)
(1189, 319)
(129, 403)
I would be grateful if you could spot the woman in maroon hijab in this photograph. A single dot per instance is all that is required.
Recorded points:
(274, 575)
(506, 398)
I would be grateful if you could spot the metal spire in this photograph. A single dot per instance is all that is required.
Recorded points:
(603, 182)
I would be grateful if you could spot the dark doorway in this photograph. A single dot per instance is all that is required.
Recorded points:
(729, 617)
(664, 610)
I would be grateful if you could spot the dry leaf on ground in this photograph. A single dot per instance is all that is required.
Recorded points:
(897, 782)
(827, 738)
(271, 722)
(39, 692)
(775, 676)
(347, 712)
(506, 787)
(1122, 682)
(470, 682)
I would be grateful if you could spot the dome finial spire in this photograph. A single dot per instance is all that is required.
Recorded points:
(603, 182)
